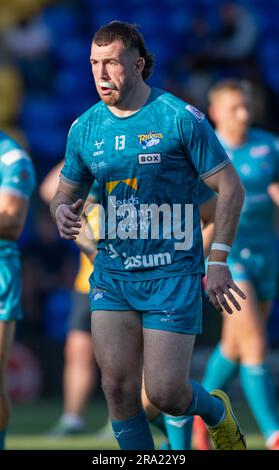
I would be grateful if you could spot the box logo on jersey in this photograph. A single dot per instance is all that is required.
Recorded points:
(150, 139)
(146, 158)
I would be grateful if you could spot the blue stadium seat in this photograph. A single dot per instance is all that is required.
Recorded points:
(62, 22)
(70, 81)
(73, 51)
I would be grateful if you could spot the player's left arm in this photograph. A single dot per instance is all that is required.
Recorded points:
(207, 213)
(230, 191)
(214, 167)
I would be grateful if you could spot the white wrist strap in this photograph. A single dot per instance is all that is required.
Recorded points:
(221, 247)
(217, 263)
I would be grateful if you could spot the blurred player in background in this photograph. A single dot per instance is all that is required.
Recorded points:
(80, 366)
(253, 261)
(17, 181)
(144, 145)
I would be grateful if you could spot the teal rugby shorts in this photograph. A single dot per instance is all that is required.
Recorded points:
(170, 304)
(10, 289)
(258, 267)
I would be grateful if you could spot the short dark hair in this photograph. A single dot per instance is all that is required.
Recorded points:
(230, 84)
(131, 38)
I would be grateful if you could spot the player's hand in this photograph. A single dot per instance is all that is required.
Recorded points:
(219, 284)
(68, 220)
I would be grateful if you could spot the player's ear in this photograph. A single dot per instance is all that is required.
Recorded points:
(139, 66)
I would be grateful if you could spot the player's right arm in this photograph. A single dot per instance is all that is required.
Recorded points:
(73, 188)
(66, 207)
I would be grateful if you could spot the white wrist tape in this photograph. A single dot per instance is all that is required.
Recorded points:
(217, 263)
(221, 247)
(59, 207)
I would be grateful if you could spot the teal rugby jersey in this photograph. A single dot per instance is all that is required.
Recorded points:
(17, 177)
(155, 156)
(257, 164)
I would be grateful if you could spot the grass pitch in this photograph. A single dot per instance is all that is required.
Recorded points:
(31, 422)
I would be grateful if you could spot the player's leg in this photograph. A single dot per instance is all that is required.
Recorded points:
(117, 338)
(7, 329)
(80, 365)
(167, 357)
(79, 375)
(79, 368)
(220, 370)
(249, 329)
(155, 417)
(177, 429)
(168, 343)
(169, 388)
(222, 364)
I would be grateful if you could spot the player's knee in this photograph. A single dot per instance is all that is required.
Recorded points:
(78, 347)
(254, 349)
(171, 400)
(118, 388)
(151, 411)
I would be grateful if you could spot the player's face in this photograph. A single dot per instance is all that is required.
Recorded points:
(231, 110)
(114, 70)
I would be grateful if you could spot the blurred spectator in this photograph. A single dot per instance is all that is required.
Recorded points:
(237, 37)
(217, 45)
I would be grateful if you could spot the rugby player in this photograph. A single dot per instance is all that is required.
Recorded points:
(79, 376)
(17, 181)
(146, 286)
(253, 261)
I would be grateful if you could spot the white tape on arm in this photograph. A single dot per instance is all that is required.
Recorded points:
(217, 263)
(221, 247)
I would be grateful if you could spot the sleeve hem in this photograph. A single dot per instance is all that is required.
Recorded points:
(68, 180)
(215, 169)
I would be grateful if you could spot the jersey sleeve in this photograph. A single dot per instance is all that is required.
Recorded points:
(205, 193)
(74, 169)
(18, 174)
(202, 146)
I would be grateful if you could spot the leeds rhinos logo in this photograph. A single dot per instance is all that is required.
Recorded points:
(150, 139)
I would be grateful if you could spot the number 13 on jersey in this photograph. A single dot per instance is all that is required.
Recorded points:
(120, 142)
